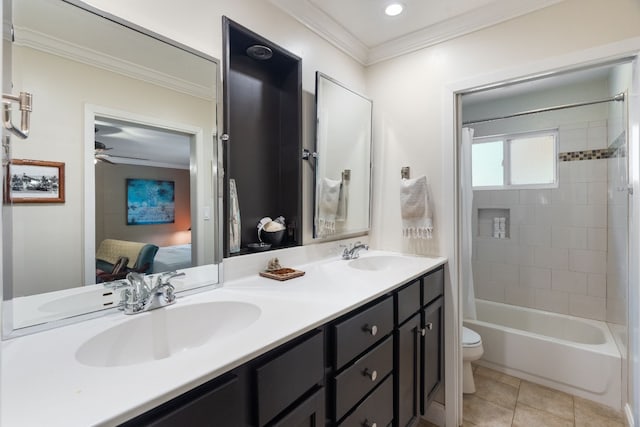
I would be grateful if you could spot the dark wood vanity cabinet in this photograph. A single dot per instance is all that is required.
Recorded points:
(220, 402)
(361, 373)
(284, 387)
(432, 336)
(380, 364)
(287, 383)
(432, 351)
(407, 366)
(419, 350)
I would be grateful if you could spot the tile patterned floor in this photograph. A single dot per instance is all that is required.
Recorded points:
(505, 401)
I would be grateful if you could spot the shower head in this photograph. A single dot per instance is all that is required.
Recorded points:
(259, 52)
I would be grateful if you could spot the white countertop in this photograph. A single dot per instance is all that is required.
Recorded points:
(42, 383)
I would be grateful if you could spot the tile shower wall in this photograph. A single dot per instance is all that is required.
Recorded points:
(555, 258)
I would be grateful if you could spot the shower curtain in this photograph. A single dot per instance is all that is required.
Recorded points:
(466, 192)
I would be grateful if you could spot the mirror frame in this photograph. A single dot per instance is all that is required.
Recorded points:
(317, 155)
(213, 174)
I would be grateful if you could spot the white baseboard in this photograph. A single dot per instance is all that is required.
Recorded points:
(436, 414)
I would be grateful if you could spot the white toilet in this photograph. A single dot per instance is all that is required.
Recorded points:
(471, 350)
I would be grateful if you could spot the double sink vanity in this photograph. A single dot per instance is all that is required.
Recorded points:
(355, 342)
(338, 343)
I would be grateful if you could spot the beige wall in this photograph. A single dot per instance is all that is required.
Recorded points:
(50, 236)
(413, 110)
(407, 94)
(111, 205)
(198, 24)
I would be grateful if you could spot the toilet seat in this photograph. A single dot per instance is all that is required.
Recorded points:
(470, 338)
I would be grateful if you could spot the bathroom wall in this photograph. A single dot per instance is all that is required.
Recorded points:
(111, 205)
(408, 94)
(555, 255)
(198, 24)
(412, 96)
(57, 127)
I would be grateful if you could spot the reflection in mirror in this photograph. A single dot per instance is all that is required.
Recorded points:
(343, 161)
(114, 103)
(132, 161)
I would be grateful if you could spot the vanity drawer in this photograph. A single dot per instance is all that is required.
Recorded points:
(432, 285)
(357, 333)
(407, 301)
(377, 408)
(285, 378)
(367, 372)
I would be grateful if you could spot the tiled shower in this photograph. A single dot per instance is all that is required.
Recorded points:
(555, 256)
(564, 249)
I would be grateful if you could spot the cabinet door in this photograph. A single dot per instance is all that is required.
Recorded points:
(432, 351)
(218, 403)
(309, 413)
(407, 368)
(285, 378)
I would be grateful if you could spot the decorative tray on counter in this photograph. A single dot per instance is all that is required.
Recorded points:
(282, 273)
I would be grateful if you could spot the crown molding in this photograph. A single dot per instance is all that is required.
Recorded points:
(326, 27)
(457, 26)
(62, 48)
(334, 33)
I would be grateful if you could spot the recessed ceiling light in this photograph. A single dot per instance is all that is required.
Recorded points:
(394, 9)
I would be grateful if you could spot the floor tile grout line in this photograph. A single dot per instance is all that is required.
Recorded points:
(513, 417)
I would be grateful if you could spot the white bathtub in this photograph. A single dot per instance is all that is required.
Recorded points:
(571, 354)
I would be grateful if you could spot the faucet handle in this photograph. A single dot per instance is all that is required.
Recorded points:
(169, 293)
(164, 278)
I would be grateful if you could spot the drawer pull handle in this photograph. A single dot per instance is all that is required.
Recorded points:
(429, 326)
(371, 374)
(366, 423)
(373, 330)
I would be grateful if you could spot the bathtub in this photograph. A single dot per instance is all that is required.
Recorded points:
(571, 354)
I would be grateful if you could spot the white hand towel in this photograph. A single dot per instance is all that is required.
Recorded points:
(329, 196)
(417, 221)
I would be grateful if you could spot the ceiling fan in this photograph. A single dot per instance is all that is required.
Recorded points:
(100, 154)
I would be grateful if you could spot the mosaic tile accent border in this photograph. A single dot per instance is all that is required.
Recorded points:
(572, 156)
(616, 149)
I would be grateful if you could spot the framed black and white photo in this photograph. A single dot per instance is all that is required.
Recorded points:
(35, 181)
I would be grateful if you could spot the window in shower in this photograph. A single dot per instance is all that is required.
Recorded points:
(515, 161)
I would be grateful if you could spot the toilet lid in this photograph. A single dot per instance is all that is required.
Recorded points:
(470, 337)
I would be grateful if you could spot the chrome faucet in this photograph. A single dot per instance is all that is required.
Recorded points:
(140, 296)
(353, 251)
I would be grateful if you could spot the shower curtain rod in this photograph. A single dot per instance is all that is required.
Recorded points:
(618, 97)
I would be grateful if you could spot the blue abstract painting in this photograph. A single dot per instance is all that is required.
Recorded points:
(150, 202)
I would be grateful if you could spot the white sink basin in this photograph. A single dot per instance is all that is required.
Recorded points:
(165, 332)
(379, 263)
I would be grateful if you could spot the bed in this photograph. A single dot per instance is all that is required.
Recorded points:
(169, 258)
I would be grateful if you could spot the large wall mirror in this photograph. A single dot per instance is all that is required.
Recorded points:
(131, 117)
(343, 160)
